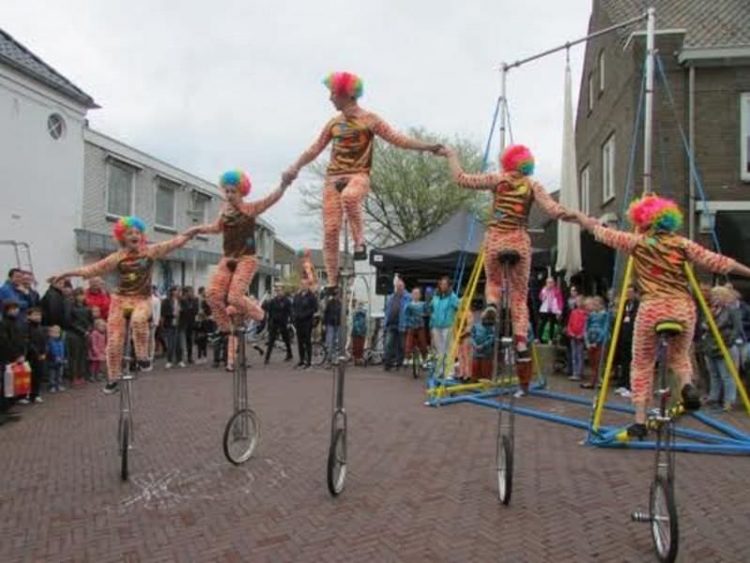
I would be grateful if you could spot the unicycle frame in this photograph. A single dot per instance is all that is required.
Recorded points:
(505, 424)
(125, 434)
(662, 421)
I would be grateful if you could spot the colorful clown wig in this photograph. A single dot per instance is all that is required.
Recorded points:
(518, 158)
(124, 224)
(653, 212)
(238, 179)
(344, 84)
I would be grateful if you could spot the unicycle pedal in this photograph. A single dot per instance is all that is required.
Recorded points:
(639, 516)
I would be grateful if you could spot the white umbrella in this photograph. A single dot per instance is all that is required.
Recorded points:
(568, 234)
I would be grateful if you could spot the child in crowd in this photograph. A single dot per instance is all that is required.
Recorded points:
(597, 334)
(56, 359)
(201, 331)
(359, 333)
(576, 332)
(465, 348)
(550, 310)
(483, 343)
(416, 333)
(97, 350)
(36, 352)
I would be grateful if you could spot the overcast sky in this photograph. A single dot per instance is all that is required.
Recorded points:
(223, 84)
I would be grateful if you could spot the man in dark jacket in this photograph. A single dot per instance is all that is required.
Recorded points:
(12, 346)
(304, 307)
(57, 304)
(189, 307)
(279, 313)
(14, 289)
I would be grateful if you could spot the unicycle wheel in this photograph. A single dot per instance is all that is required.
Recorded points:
(337, 463)
(663, 511)
(241, 435)
(124, 446)
(504, 464)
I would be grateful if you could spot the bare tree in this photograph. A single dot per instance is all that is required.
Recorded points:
(411, 192)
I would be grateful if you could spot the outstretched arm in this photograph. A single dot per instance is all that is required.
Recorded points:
(621, 240)
(713, 261)
(470, 181)
(255, 208)
(210, 228)
(309, 155)
(161, 249)
(94, 270)
(551, 207)
(381, 128)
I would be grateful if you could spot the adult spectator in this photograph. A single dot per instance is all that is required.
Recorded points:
(624, 351)
(76, 338)
(332, 322)
(279, 313)
(443, 309)
(304, 307)
(170, 316)
(189, 308)
(12, 345)
(14, 289)
(97, 296)
(56, 304)
(728, 320)
(395, 325)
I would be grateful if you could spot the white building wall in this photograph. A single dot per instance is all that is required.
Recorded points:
(41, 178)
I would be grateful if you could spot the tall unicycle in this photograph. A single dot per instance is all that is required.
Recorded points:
(125, 421)
(662, 507)
(242, 432)
(505, 354)
(336, 466)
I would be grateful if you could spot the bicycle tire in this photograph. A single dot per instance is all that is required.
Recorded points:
(664, 527)
(236, 433)
(336, 470)
(124, 445)
(319, 354)
(504, 465)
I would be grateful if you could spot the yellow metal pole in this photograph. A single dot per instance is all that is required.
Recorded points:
(612, 346)
(717, 336)
(466, 304)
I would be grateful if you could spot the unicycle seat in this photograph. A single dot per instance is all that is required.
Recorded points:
(509, 257)
(669, 328)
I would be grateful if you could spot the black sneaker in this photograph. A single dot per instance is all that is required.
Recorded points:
(691, 399)
(111, 388)
(145, 365)
(637, 430)
(360, 253)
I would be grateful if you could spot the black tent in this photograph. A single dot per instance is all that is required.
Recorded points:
(424, 260)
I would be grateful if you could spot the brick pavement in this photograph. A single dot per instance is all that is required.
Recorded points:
(420, 485)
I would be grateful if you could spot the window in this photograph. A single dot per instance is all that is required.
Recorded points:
(601, 72)
(200, 207)
(165, 205)
(608, 169)
(585, 195)
(119, 190)
(591, 92)
(745, 136)
(56, 126)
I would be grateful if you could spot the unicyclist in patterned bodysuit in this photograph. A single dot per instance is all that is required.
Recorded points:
(347, 181)
(659, 257)
(134, 264)
(513, 194)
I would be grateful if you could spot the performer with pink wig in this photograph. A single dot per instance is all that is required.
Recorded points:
(347, 180)
(226, 294)
(134, 263)
(513, 193)
(659, 257)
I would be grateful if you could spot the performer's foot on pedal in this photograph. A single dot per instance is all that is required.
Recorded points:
(111, 387)
(360, 253)
(691, 399)
(637, 430)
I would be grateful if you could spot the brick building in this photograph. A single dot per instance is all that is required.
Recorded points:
(705, 51)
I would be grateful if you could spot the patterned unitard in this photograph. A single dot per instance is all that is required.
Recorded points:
(235, 271)
(347, 181)
(133, 294)
(513, 195)
(658, 261)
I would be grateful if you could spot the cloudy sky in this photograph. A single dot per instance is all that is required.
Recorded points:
(236, 83)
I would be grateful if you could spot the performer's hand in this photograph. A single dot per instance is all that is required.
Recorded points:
(288, 176)
(437, 149)
(192, 232)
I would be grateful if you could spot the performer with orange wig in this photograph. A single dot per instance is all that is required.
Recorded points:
(513, 193)
(134, 263)
(226, 294)
(307, 269)
(659, 257)
(347, 180)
